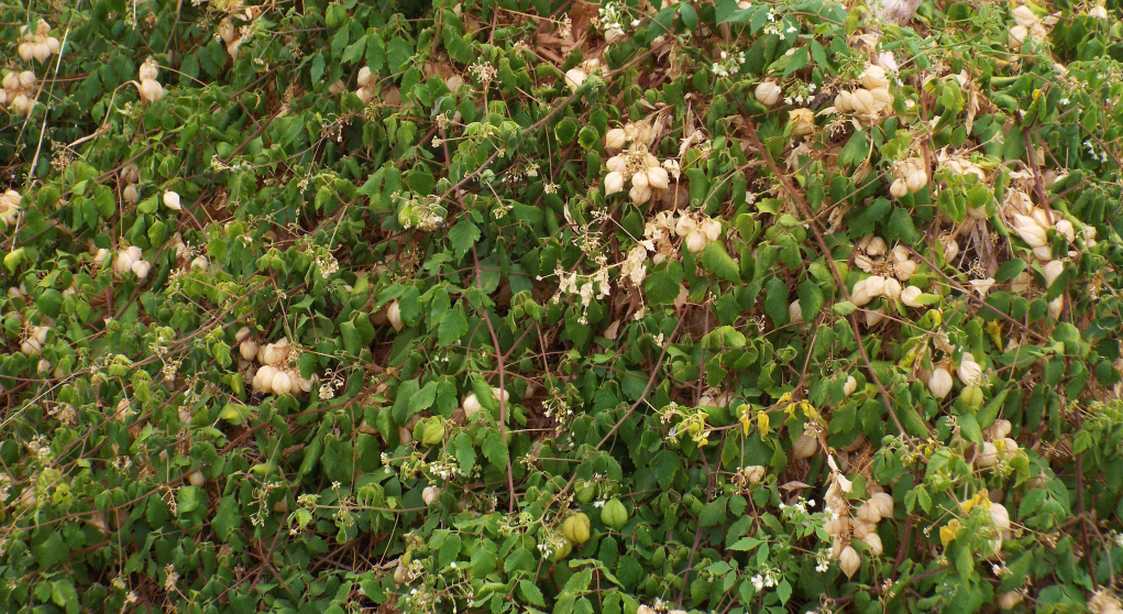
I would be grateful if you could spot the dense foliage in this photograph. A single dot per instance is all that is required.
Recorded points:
(536, 305)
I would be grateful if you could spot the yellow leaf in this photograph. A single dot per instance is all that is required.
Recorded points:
(950, 531)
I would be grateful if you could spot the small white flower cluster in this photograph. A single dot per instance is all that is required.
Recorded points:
(19, 92)
(910, 177)
(1095, 155)
(870, 102)
(129, 260)
(728, 64)
(584, 286)
(34, 340)
(998, 447)
(37, 45)
(769, 579)
(150, 89)
(425, 213)
(275, 375)
(367, 84)
(9, 206)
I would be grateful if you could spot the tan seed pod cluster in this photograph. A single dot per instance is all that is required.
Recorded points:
(34, 340)
(150, 88)
(131, 260)
(19, 92)
(911, 177)
(9, 207)
(1026, 25)
(367, 84)
(37, 44)
(998, 447)
(275, 375)
(635, 166)
(872, 101)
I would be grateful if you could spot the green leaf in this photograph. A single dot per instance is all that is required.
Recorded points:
(776, 301)
(531, 593)
(494, 448)
(810, 299)
(717, 261)
(454, 325)
(463, 236)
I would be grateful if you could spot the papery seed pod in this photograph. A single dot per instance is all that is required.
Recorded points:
(1000, 517)
(849, 561)
(891, 289)
(805, 446)
(838, 526)
(940, 382)
(861, 528)
(615, 139)
(795, 314)
(1029, 230)
(873, 542)
(802, 121)
(910, 296)
(394, 316)
(849, 386)
(171, 200)
(768, 93)
(1052, 270)
(695, 242)
(613, 183)
(141, 269)
(1000, 429)
(868, 512)
(884, 504)
(26, 51)
(898, 189)
(263, 379)
(969, 371)
(711, 228)
(196, 478)
(639, 194)
(430, 494)
(471, 405)
(874, 245)
(617, 164)
(248, 349)
(281, 383)
(987, 455)
(658, 178)
(574, 77)
(1066, 230)
(364, 77)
